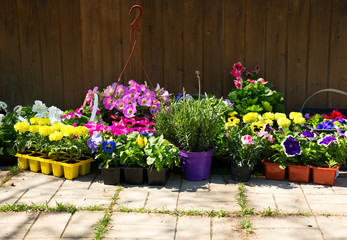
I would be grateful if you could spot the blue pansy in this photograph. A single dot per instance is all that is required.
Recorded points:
(108, 146)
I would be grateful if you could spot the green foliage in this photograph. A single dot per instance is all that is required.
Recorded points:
(191, 124)
(14, 170)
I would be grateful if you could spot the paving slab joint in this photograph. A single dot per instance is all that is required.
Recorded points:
(67, 224)
(26, 190)
(37, 217)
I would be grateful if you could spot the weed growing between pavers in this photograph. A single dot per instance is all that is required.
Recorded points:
(61, 207)
(246, 211)
(102, 226)
(269, 212)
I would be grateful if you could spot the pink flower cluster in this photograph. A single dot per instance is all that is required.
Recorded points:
(237, 73)
(124, 126)
(128, 100)
(76, 114)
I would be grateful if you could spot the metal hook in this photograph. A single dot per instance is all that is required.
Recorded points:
(135, 23)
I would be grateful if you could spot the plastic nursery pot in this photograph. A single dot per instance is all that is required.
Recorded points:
(273, 171)
(23, 162)
(111, 176)
(240, 174)
(297, 173)
(133, 175)
(57, 169)
(71, 169)
(325, 176)
(85, 166)
(46, 166)
(157, 178)
(196, 166)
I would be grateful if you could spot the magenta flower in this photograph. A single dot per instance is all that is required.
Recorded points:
(129, 111)
(262, 81)
(247, 139)
(149, 93)
(108, 103)
(120, 91)
(110, 90)
(238, 84)
(90, 95)
(142, 88)
(144, 101)
(237, 69)
(128, 100)
(132, 93)
(134, 85)
(119, 105)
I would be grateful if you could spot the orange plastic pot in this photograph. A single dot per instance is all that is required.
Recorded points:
(297, 173)
(273, 171)
(325, 176)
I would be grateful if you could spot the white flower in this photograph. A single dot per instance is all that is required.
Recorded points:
(18, 109)
(54, 114)
(227, 103)
(39, 107)
(1, 117)
(3, 105)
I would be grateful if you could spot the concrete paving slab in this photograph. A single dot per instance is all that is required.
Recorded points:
(133, 197)
(207, 201)
(82, 182)
(15, 225)
(194, 186)
(141, 226)
(98, 185)
(3, 173)
(82, 225)
(225, 228)
(333, 227)
(37, 196)
(82, 198)
(10, 195)
(291, 203)
(161, 199)
(49, 225)
(310, 188)
(223, 183)
(289, 227)
(261, 201)
(262, 185)
(193, 227)
(28, 180)
(340, 185)
(333, 204)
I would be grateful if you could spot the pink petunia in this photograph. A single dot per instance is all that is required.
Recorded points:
(128, 100)
(142, 88)
(262, 81)
(109, 103)
(238, 84)
(120, 91)
(132, 93)
(144, 101)
(110, 90)
(90, 95)
(129, 111)
(246, 139)
(149, 93)
(119, 105)
(265, 135)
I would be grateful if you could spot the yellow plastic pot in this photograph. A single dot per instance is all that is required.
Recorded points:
(34, 165)
(23, 162)
(46, 167)
(85, 167)
(70, 170)
(57, 169)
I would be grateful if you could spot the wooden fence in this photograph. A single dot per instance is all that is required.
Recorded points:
(55, 50)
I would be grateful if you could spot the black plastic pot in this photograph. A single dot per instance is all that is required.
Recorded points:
(157, 178)
(111, 176)
(240, 174)
(133, 175)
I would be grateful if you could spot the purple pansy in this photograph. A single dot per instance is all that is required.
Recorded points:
(291, 146)
(326, 125)
(327, 140)
(94, 141)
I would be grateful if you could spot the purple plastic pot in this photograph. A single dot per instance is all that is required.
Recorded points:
(196, 166)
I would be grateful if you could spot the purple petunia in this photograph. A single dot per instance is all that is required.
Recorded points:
(308, 134)
(326, 125)
(340, 120)
(94, 141)
(327, 140)
(291, 146)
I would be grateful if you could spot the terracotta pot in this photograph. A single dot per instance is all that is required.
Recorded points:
(297, 173)
(325, 176)
(273, 171)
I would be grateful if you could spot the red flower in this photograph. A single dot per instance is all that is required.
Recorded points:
(334, 115)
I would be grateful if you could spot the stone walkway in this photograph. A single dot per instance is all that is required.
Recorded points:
(305, 211)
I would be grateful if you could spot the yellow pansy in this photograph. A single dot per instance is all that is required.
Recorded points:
(257, 126)
(141, 141)
(232, 114)
(22, 127)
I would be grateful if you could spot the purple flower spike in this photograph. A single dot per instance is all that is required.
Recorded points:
(291, 146)
(327, 140)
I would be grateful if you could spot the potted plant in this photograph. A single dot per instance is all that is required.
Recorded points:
(246, 147)
(193, 125)
(160, 156)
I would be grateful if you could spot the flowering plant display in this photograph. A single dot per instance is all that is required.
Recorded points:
(252, 93)
(7, 132)
(128, 101)
(335, 120)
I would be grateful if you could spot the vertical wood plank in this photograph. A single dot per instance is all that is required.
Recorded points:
(126, 20)
(212, 77)
(233, 43)
(153, 40)
(52, 81)
(30, 51)
(338, 54)
(320, 14)
(255, 34)
(173, 45)
(10, 69)
(298, 29)
(111, 40)
(71, 53)
(91, 44)
(276, 47)
(192, 43)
